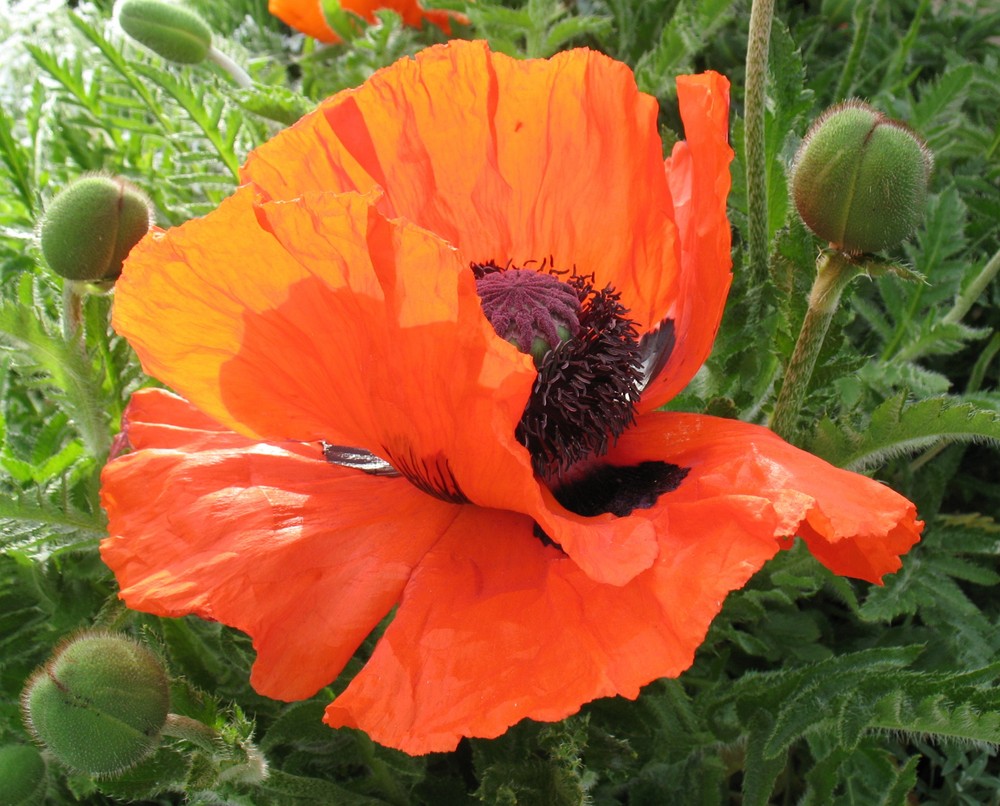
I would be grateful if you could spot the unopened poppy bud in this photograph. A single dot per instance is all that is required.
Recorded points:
(174, 32)
(22, 776)
(99, 704)
(860, 179)
(91, 225)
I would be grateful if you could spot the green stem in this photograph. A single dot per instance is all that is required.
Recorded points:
(381, 774)
(75, 376)
(974, 290)
(72, 307)
(240, 76)
(191, 730)
(761, 15)
(534, 38)
(862, 18)
(833, 273)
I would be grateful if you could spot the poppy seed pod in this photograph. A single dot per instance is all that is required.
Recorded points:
(22, 775)
(91, 225)
(859, 179)
(99, 703)
(174, 32)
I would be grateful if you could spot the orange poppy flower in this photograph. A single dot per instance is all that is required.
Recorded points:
(307, 15)
(362, 432)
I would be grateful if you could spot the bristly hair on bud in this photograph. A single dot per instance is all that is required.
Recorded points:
(99, 704)
(859, 179)
(91, 225)
(172, 31)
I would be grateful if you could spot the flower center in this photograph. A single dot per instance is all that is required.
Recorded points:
(534, 312)
(586, 350)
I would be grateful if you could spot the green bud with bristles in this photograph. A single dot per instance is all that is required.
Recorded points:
(859, 179)
(91, 225)
(23, 780)
(174, 32)
(99, 704)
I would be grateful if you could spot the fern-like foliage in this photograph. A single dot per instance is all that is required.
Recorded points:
(898, 427)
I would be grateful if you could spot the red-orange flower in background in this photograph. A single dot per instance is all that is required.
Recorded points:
(307, 15)
(423, 345)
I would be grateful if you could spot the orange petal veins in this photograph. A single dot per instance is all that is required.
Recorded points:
(496, 628)
(698, 172)
(303, 556)
(505, 159)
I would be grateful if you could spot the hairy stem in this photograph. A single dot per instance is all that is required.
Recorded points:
(761, 15)
(833, 273)
(191, 730)
(72, 309)
(862, 18)
(381, 774)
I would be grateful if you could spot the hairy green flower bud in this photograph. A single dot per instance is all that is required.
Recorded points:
(174, 32)
(99, 703)
(860, 179)
(22, 776)
(91, 225)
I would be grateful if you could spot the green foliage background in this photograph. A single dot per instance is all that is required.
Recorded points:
(810, 688)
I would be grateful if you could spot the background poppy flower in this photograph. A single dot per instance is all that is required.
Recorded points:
(330, 302)
(307, 15)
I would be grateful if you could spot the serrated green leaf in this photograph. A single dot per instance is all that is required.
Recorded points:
(274, 103)
(65, 366)
(943, 715)
(761, 770)
(689, 29)
(897, 428)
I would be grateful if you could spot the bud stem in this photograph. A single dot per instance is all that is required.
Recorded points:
(191, 730)
(761, 14)
(973, 291)
(72, 320)
(383, 777)
(238, 74)
(833, 272)
(862, 20)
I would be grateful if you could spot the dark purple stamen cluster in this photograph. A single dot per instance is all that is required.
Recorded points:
(587, 386)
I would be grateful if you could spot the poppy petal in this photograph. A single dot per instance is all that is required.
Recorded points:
(852, 524)
(419, 378)
(509, 160)
(496, 627)
(303, 556)
(698, 172)
(327, 326)
(305, 16)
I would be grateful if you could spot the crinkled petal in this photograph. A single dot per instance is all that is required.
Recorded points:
(854, 525)
(496, 627)
(519, 160)
(698, 172)
(318, 319)
(303, 556)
